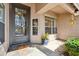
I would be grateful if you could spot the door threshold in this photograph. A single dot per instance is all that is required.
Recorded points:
(17, 46)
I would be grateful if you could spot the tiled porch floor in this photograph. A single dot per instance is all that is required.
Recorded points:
(54, 48)
(26, 52)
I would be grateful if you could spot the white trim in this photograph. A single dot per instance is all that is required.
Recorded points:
(76, 14)
(49, 16)
(77, 5)
(67, 8)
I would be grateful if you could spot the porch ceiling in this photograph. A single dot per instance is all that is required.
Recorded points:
(59, 10)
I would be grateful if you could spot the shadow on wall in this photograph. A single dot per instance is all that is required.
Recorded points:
(1, 33)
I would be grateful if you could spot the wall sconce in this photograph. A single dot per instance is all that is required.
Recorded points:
(72, 21)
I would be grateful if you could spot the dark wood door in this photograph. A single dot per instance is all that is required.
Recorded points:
(20, 18)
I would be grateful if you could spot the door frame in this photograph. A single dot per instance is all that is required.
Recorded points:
(12, 7)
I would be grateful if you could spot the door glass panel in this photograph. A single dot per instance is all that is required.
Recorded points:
(20, 22)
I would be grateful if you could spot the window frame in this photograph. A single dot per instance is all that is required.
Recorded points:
(52, 25)
(34, 26)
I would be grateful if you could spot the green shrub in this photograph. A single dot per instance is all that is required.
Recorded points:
(72, 46)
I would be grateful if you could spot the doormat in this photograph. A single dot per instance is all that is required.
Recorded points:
(21, 46)
(17, 47)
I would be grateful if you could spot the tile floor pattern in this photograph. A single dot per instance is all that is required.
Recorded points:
(26, 52)
(47, 51)
(54, 48)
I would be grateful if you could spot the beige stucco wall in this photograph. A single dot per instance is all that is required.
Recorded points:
(41, 24)
(64, 27)
(33, 38)
(36, 38)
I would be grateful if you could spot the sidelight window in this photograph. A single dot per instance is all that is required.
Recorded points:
(35, 26)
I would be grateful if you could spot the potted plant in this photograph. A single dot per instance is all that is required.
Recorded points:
(44, 39)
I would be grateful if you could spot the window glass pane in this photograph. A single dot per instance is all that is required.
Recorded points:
(1, 13)
(55, 30)
(35, 30)
(47, 23)
(48, 30)
(35, 26)
(2, 22)
(19, 21)
(35, 22)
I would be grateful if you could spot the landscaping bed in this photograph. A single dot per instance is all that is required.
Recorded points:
(72, 46)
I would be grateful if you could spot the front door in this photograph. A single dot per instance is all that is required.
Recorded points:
(21, 23)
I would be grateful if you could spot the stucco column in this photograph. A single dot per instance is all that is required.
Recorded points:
(5, 45)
